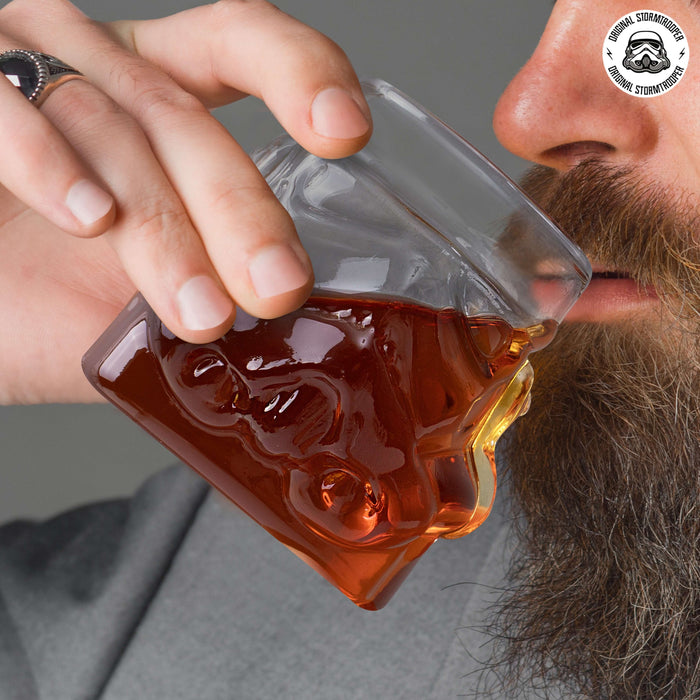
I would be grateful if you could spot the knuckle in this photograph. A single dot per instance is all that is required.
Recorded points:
(320, 50)
(149, 94)
(302, 48)
(158, 102)
(254, 209)
(231, 9)
(155, 102)
(292, 36)
(228, 195)
(161, 222)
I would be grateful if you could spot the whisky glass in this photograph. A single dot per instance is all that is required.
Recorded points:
(360, 428)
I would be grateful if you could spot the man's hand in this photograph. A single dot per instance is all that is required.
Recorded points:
(154, 193)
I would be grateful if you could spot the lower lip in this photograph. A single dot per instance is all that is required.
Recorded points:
(612, 299)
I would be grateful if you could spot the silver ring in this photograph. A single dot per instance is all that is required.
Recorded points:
(36, 74)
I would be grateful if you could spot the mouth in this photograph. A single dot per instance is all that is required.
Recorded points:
(610, 275)
(612, 295)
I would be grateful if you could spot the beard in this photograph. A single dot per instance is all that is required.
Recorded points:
(603, 598)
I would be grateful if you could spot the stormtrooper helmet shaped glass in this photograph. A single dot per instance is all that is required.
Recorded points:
(360, 428)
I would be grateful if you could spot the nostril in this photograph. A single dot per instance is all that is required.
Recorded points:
(569, 155)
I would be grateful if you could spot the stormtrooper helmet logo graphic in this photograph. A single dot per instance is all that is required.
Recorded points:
(645, 53)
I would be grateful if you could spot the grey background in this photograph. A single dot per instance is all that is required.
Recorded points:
(453, 56)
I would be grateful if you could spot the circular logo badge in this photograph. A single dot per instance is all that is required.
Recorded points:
(645, 53)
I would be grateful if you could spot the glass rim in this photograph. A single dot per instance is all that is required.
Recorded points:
(506, 186)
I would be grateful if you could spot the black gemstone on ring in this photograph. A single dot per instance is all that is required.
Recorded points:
(21, 72)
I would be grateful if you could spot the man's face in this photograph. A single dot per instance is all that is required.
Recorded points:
(606, 467)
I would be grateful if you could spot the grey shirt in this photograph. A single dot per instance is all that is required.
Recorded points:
(176, 594)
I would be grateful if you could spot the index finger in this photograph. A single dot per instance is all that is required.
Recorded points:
(232, 48)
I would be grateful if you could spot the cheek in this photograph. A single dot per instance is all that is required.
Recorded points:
(674, 162)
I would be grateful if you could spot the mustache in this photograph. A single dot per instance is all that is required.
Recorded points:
(628, 226)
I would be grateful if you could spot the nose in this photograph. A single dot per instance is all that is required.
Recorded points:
(562, 108)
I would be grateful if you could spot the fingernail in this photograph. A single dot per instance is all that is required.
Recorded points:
(335, 114)
(276, 270)
(202, 304)
(88, 202)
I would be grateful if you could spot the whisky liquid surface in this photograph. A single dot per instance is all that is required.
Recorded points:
(346, 428)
